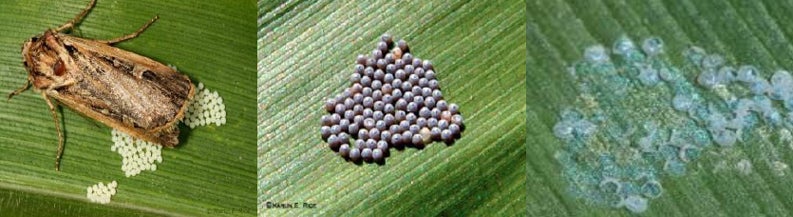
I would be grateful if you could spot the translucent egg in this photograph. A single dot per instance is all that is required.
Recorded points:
(694, 54)
(635, 204)
(563, 130)
(682, 102)
(653, 46)
(596, 54)
(724, 138)
(648, 76)
(747, 73)
(623, 45)
(708, 78)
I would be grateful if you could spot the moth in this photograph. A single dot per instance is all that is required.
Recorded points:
(121, 89)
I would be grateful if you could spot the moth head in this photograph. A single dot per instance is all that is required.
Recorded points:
(42, 60)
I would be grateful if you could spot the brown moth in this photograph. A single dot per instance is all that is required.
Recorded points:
(126, 91)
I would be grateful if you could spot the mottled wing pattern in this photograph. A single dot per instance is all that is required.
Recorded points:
(125, 90)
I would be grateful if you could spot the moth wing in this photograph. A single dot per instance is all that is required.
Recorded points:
(124, 90)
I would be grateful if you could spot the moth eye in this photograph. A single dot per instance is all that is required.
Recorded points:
(59, 69)
(34, 39)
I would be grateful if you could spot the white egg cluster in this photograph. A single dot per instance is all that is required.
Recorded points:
(101, 193)
(137, 155)
(206, 108)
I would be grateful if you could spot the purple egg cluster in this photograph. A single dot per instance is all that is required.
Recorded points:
(394, 101)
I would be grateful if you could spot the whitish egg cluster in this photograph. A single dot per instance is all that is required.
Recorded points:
(137, 155)
(640, 116)
(101, 193)
(609, 162)
(206, 108)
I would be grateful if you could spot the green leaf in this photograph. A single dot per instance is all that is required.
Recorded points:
(211, 173)
(307, 52)
(744, 32)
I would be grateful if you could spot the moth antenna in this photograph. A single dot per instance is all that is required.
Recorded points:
(19, 90)
(57, 128)
(78, 18)
(132, 35)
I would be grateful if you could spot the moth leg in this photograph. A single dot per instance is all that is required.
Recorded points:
(132, 35)
(19, 90)
(69, 82)
(57, 128)
(70, 24)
